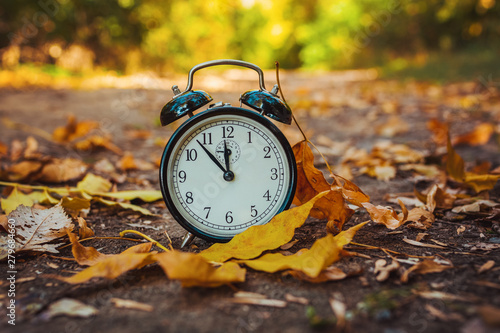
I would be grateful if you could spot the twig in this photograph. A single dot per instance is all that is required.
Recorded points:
(96, 237)
(277, 64)
(145, 237)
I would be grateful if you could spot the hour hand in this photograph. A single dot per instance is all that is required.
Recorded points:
(212, 157)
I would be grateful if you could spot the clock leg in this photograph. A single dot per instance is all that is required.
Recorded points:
(188, 238)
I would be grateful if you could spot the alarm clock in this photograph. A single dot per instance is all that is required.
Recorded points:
(226, 168)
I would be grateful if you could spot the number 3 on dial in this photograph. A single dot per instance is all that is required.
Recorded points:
(227, 169)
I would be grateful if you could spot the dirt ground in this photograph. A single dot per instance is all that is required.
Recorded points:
(342, 108)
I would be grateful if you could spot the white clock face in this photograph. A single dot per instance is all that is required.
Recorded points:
(227, 172)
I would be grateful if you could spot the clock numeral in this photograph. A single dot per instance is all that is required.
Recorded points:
(182, 176)
(229, 217)
(253, 211)
(267, 196)
(189, 198)
(207, 138)
(249, 137)
(267, 150)
(208, 211)
(192, 155)
(227, 132)
(274, 174)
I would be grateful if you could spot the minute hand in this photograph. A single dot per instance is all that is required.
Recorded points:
(212, 157)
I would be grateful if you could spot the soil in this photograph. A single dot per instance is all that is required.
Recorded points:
(334, 107)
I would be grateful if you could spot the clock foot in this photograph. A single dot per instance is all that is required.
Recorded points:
(188, 238)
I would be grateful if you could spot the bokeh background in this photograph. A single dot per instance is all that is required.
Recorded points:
(441, 40)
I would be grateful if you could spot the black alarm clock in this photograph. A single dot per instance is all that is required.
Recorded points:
(226, 168)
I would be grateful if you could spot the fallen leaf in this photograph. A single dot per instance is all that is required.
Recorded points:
(330, 273)
(4, 149)
(31, 150)
(92, 184)
(421, 218)
(437, 197)
(339, 308)
(131, 305)
(36, 227)
(420, 236)
(486, 266)
(490, 314)
(439, 131)
(415, 243)
(439, 295)
(74, 206)
(127, 162)
(426, 266)
(124, 205)
(322, 254)
(85, 256)
(384, 215)
(193, 270)
(62, 170)
(257, 239)
(454, 164)
(476, 206)
(73, 130)
(144, 195)
(350, 191)
(460, 229)
(382, 270)
(97, 141)
(69, 307)
(480, 135)
(112, 266)
(23, 170)
(84, 231)
(310, 181)
(14, 200)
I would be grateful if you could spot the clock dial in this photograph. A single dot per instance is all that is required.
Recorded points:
(227, 171)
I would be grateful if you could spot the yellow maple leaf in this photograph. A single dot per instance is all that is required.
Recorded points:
(14, 200)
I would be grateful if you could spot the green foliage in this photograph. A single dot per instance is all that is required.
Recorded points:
(128, 35)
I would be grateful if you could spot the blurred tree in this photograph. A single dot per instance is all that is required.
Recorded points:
(128, 35)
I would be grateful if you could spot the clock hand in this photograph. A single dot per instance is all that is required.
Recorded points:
(227, 152)
(212, 157)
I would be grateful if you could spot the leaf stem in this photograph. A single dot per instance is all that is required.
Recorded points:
(277, 64)
(145, 237)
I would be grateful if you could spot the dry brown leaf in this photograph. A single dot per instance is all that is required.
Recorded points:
(62, 170)
(73, 130)
(4, 149)
(439, 131)
(138, 134)
(16, 150)
(424, 267)
(420, 218)
(69, 307)
(84, 231)
(350, 191)
(443, 316)
(31, 150)
(85, 256)
(328, 274)
(97, 141)
(460, 229)
(310, 181)
(193, 270)
(383, 270)
(36, 227)
(480, 135)
(23, 170)
(385, 215)
(486, 266)
(437, 197)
